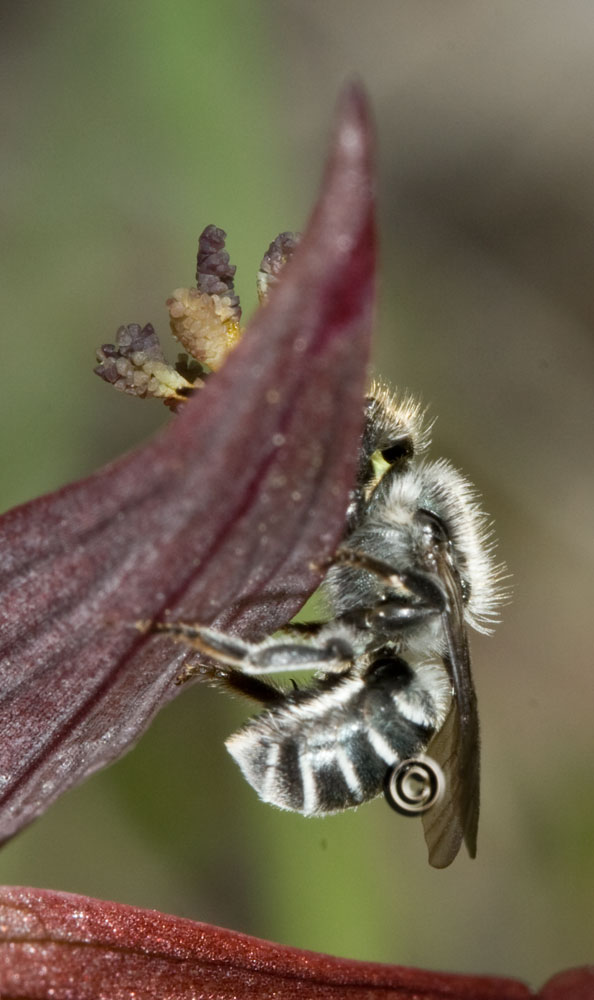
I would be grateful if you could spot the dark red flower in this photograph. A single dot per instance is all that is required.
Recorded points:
(220, 518)
(65, 947)
(73, 948)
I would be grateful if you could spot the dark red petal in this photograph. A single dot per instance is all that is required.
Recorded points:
(73, 948)
(231, 503)
(574, 984)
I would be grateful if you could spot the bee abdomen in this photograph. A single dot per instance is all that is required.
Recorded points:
(329, 749)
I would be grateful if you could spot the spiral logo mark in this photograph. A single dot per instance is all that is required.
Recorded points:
(414, 786)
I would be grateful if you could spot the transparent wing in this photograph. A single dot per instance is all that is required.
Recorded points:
(442, 824)
(456, 747)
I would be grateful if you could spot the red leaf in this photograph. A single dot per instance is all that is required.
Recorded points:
(233, 501)
(72, 948)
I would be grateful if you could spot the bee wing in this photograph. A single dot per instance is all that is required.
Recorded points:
(442, 824)
(456, 746)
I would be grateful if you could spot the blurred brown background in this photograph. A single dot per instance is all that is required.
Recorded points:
(127, 129)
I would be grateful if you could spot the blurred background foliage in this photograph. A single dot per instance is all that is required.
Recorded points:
(128, 127)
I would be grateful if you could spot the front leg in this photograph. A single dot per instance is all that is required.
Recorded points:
(418, 594)
(272, 655)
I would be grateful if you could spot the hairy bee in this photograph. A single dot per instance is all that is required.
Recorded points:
(392, 674)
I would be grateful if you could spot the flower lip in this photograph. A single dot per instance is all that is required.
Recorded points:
(209, 521)
(57, 944)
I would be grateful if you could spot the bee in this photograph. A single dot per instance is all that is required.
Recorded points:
(392, 684)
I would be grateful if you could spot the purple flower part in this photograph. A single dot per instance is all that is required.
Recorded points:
(214, 273)
(136, 364)
(274, 261)
(279, 252)
(56, 945)
(226, 517)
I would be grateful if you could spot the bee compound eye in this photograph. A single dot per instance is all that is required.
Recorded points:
(398, 451)
(414, 786)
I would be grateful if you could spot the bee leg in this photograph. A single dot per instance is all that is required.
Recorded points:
(273, 655)
(424, 586)
(234, 681)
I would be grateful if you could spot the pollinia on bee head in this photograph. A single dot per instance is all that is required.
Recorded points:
(392, 682)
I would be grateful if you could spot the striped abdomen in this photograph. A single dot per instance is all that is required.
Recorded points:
(327, 747)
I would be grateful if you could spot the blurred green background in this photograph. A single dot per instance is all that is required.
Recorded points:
(128, 127)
